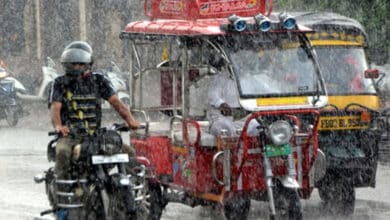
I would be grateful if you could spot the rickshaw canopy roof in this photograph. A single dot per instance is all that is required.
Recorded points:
(332, 23)
(199, 27)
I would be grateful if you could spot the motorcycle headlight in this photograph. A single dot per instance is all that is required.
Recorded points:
(112, 143)
(280, 132)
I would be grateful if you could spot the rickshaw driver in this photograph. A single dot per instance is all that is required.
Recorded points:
(222, 98)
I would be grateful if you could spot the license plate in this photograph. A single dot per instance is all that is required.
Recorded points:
(275, 151)
(341, 123)
(116, 158)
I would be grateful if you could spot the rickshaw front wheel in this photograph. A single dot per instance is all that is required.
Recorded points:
(237, 208)
(287, 203)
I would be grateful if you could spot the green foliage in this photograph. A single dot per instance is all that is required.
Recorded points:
(374, 15)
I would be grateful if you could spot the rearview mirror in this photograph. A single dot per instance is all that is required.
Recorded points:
(371, 74)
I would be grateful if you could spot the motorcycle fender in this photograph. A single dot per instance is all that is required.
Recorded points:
(143, 160)
(317, 172)
(18, 85)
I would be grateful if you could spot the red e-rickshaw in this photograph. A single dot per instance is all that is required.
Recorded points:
(169, 79)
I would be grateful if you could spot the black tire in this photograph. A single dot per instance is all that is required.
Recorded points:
(11, 115)
(93, 207)
(156, 202)
(287, 203)
(339, 197)
(237, 208)
(117, 209)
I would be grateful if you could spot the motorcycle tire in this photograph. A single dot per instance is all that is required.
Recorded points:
(156, 201)
(93, 207)
(287, 203)
(11, 115)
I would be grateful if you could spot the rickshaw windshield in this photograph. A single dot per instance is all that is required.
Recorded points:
(275, 68)
(343, 70)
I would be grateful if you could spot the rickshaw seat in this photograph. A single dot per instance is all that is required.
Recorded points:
(207, 140)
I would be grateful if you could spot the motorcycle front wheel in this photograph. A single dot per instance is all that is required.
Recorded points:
(148, 209)
(11, 115)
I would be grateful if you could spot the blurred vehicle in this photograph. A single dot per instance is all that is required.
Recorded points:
(383, 85)
(351, 124)
(11, 107)
(49, 73)
(120, 83)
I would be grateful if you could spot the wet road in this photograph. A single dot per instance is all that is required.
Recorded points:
(23, 154)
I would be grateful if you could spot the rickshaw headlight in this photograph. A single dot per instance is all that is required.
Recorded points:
(288, 21)
(280, 132)
(264, 24)
(238, 23)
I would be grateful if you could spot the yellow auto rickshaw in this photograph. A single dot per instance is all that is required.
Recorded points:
(349, 130)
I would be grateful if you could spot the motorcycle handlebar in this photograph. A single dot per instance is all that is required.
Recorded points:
(119, 127)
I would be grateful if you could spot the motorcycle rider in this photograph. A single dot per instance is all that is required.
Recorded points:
(75, 102)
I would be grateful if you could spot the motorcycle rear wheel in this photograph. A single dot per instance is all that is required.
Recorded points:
(11, 115)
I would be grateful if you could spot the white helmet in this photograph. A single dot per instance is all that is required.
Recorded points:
(76, 52)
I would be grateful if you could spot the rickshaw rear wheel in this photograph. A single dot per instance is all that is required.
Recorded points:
(287, 203)
(339, 197)
(237, 208)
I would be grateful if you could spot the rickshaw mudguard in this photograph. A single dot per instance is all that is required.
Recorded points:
(157, 151)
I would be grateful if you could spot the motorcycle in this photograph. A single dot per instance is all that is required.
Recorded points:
(101, 185)
(120, 83)
(10, 106)
(49, 73)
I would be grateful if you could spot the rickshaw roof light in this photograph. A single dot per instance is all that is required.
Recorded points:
(264, 24)
(288, 21)
(238, 23)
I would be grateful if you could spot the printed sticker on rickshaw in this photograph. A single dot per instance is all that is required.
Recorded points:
(277, 150)
(341, 123)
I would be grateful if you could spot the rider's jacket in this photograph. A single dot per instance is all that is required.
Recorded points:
(81, 99)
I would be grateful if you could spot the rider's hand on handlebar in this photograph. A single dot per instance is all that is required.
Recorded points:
(64, 130)
(133, 124)
(225, 109)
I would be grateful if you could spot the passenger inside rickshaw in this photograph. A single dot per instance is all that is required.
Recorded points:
(343, 70)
